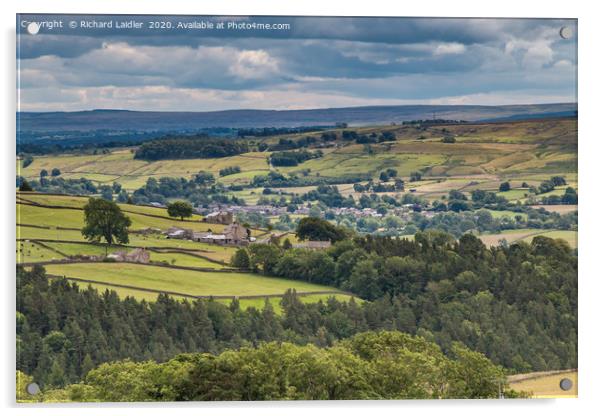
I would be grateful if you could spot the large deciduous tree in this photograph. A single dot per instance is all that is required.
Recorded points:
(181, 209)
(317, 229)
(104, 219)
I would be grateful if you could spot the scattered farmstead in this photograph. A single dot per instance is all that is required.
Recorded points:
(234, 235)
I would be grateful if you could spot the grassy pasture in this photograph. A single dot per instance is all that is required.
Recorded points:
(28, 251)
(527, 235)
(545, 384)
(181, 258)
(569, 236)
(509, 214)
(182, 281)
(74, 218)
(72, 201)
(244, 303)
(214, 252)
(509, 235)
(561, 209)
(120, 166)
(515, 194)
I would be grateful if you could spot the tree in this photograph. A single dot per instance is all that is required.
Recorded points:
(104, 219)
(25, 186)
(55, 172)
(415, 176)
(318, 229)
(448, 139)
(204, 178)
(241, 259)
(504, 186)
(558, 180)
(264, 255)
(27, 160)
(180, 209)
(106, 192)
(43, 173)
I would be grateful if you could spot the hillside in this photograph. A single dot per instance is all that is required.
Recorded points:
(354, 116)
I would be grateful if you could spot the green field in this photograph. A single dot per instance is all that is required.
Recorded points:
(31, 252)
(569, 236)
(214, 252)
(258, 303)
(528, 234)
(74, 218)
(178, 259)
(188, 282)
(509, 214)
(545, 384)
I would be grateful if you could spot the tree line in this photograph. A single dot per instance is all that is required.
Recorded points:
(190, 147)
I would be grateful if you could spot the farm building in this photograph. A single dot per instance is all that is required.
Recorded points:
(219, 217)
(179, 233)
(138, 255)
(234, 234)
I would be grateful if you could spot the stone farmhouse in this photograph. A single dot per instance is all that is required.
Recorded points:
(234, 235)
(219, 217)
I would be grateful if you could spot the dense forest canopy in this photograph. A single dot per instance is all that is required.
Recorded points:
(190, 147)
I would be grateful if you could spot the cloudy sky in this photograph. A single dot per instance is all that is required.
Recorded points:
(315, 63)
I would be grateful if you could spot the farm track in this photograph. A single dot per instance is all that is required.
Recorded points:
(188, 295)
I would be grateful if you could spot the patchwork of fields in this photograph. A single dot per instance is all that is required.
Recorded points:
(483, 156)
(49, 233)
(487, 154)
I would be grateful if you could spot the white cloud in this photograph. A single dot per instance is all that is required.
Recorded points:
(449, 49)
(254, 65)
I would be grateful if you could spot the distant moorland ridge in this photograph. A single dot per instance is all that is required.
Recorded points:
(353, 116)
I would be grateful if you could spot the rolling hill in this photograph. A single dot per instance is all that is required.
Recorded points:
(354, 116)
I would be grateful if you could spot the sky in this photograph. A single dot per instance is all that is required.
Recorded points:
(311, 63)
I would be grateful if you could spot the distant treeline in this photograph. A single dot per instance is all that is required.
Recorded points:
(86, 141)
(275, 131)
(433, 121)
(277, 180)
(190, 147)
(201, 190)
(293, 158)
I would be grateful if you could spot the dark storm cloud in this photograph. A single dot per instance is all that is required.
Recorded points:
(319, 62)
(359, 29)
